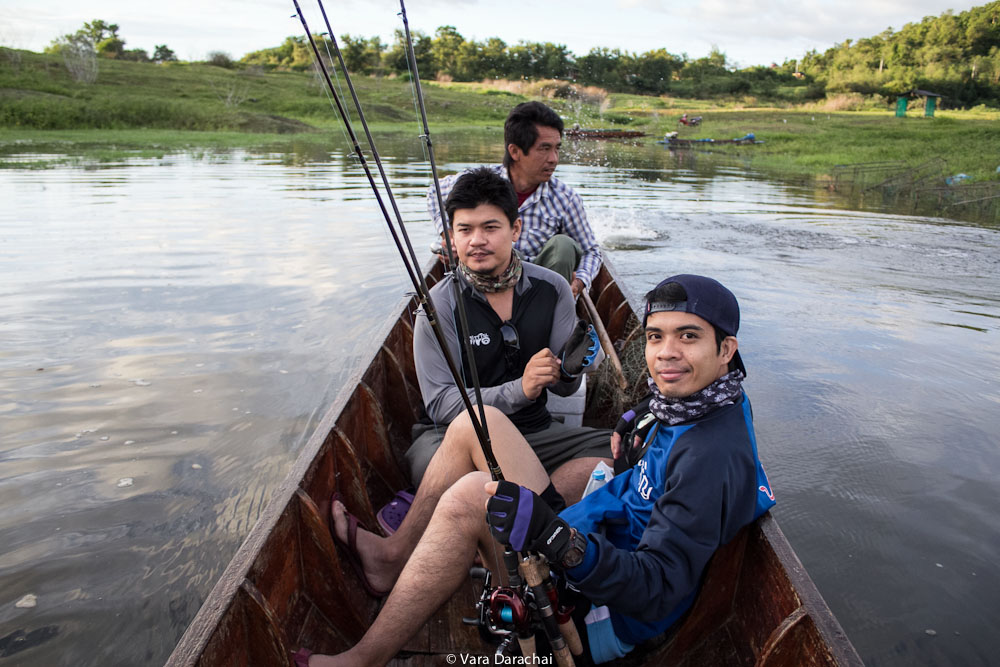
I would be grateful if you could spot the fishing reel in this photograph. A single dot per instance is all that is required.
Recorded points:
(501, 611)
(513, 617)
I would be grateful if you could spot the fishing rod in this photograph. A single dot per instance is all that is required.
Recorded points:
(411, 56)
(534, 570)
(563, 637)
(410, 262)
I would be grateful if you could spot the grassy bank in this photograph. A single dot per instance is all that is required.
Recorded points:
(38, 93)
(141, 109)
(813, 142)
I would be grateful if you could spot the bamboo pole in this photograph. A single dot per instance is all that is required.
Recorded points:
(602, 334)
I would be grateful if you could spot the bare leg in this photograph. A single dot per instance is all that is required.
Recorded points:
(571, 478)
(438, 567)
(459, 454)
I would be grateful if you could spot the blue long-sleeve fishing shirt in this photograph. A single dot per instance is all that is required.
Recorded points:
(696, 485)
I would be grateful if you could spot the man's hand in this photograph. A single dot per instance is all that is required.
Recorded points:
(438, 249)
(519, 518)
(636, 423)
(577, 286)
(541, 371)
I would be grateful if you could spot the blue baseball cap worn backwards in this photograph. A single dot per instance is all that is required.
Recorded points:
(706, 298)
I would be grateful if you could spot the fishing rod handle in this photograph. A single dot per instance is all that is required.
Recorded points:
(572, 636)
(535, 571)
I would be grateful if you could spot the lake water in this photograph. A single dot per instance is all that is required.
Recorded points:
(172, 329)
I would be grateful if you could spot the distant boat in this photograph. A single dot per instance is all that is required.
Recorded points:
(580, 133)
(673, 141)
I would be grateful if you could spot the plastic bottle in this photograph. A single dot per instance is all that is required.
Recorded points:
(602, 475)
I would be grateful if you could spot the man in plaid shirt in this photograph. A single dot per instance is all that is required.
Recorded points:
(555, 232)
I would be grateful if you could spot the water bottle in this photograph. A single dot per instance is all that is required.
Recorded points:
(602, 475)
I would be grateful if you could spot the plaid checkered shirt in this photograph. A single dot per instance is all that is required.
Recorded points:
(553, 208)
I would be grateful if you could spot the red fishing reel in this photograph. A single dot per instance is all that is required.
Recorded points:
(501, 611)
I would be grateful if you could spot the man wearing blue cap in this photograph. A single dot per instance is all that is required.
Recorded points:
(637, 547)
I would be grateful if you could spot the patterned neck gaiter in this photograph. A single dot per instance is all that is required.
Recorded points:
(487, 283)
(671, 411)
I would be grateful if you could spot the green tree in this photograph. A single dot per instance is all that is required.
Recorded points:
(100, 34)
(294, 53)
(495, 61)
(600, 67)
(105, 37)
(652, 71)
(446, 47)
(362, 55)
(163, 53)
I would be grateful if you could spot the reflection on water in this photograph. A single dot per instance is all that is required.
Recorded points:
(182, 322)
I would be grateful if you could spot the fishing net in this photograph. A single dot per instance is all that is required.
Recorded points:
(606, 400)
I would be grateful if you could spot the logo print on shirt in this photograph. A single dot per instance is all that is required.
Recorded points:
(479, 339)
(643, 485)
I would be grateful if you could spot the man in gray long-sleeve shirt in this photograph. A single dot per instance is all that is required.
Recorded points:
(518, 314)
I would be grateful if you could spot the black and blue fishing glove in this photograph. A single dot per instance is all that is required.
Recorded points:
(580, 351)
(519, 518)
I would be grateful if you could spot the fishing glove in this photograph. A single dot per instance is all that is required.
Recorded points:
(580, 350)
(636, 423)
(519, 518)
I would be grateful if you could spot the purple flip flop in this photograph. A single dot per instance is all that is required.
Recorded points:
(391, 516)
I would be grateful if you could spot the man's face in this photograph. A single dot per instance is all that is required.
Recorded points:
(484, 238)
(682, 355)
(536, 165)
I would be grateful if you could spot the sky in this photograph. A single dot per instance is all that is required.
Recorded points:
(749, 33)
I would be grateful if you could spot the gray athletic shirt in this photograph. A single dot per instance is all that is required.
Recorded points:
(437, 386)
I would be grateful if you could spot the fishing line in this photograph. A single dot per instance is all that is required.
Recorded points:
(482, 431)
(410, 262)
(556, 640)
(528, 568)
(411, 57)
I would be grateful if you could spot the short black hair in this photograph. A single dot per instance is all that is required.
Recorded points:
(481, 186)
(676, 292)
(520, 127)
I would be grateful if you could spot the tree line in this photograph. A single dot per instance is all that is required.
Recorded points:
(103, 40)
(955, 55)
(449, 55)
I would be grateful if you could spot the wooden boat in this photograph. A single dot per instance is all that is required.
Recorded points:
(580, 133)
(675, 142)
(287, 585)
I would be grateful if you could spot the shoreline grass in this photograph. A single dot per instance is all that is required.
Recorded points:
(146, 110)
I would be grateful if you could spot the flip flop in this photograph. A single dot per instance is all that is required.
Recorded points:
(301, 657)
(391, 516)
(352, 547)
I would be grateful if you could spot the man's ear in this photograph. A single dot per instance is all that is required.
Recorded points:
(517, 229)
(515, 152)
(728, 348)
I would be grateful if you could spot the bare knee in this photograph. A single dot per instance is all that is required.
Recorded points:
(466, 498)
(461, 432)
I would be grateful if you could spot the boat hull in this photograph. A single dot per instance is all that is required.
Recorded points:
(289, 584)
